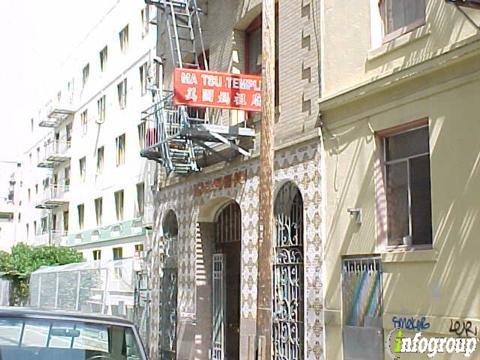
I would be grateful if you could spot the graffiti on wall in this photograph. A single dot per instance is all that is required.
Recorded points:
(410, 323)
(463, 328)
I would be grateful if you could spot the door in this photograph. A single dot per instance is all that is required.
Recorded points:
(362, 308)
(226, 284)
(288, 275)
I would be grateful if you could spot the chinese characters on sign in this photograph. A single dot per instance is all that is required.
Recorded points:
(200, 88)
(224, 182)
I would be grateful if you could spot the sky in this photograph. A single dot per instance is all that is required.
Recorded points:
(36, 39)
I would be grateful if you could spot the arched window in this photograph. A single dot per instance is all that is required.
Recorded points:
(288, 275)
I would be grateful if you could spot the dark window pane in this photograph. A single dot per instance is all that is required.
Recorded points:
(401, 13)
(421, 200)
(397, 203)
(255, 51)
(407, 144)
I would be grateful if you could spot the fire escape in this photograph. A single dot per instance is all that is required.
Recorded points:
(176, 136)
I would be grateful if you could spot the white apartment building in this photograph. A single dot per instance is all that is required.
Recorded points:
(83, 183)
(8, 204)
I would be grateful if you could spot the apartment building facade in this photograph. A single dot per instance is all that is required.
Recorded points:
(82, 183)
(7, 225)
(7, 204)
(400, 85)
(204, 246)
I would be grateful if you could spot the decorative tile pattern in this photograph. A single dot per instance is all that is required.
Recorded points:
(300, 165)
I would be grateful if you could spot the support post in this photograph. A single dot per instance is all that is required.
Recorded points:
(265, 248)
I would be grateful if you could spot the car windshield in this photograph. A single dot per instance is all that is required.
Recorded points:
(24, 339)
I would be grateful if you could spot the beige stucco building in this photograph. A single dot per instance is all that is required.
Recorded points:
(399, 110)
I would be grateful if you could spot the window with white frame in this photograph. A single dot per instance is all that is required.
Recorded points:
(138, 248)
(119, 197)
(122, 94)
(83, 168)
(99, 210)
(101, 103)
(141, 198)
(120, 150)
(100, 159)
(143, 78)
(141, 134)
(408, 190)
(68, 136)
(97, 254)
(117, 253)
(145, 14)
(103, 58)
(84, 122)
(401, 16)
(43, 225)
(85, 74)
(123, 37)
(81, 216)
(65, 220)
(66, 177)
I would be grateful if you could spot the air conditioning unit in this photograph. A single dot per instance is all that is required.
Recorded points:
(475, 4)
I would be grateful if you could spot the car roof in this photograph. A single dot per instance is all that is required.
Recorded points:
(23, 312)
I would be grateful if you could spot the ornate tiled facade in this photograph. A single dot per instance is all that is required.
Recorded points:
(299, 164)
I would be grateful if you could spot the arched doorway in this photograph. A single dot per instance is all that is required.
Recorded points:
(169, 289)
(288, 275)
(226, 282)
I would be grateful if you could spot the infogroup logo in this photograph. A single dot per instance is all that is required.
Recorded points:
(397, 343)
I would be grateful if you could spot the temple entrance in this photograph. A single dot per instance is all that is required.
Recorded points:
(288, 275)
(226, 283)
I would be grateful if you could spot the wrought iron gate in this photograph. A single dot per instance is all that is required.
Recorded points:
(226, 283)
(362, 308)
(288, 275)
(168, 291)
(218, 336)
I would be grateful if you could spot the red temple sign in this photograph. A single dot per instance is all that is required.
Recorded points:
(200, 88)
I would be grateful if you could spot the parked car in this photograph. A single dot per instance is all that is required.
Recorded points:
(49, 335)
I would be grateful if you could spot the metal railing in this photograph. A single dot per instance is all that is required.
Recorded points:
(52, 237)
(54, 192)
(52, 152)
(58, 237)
(61, 109)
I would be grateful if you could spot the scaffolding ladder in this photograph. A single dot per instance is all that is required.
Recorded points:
(178, 135)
